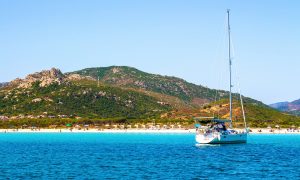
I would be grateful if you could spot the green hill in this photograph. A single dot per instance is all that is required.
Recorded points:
(123, 94)
(133, 78)
(79, 99)
(123, 76)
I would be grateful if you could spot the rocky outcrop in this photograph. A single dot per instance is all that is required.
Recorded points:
(45, 78)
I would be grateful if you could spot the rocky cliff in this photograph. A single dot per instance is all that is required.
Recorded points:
(46, 78)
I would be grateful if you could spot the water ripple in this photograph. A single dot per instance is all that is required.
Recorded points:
(145, 156)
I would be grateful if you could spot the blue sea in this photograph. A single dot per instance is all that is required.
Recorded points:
(145, 156)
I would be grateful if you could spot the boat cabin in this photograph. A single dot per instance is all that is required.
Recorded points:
(213, 125)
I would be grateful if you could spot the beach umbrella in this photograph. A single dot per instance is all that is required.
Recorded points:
(69, 125)
(197, 125)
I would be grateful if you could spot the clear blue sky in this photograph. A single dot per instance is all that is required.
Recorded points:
(179, 38)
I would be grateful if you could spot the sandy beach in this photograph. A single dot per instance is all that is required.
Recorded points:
(184, 131)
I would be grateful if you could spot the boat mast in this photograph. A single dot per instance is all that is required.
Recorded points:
(230, 63)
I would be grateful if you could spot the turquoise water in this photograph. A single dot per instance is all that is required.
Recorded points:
(145, 156)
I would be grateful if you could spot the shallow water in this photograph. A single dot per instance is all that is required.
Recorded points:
(145, 156)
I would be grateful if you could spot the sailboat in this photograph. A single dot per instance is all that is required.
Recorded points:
(218, 132)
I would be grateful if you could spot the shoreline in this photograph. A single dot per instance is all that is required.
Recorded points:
(139, 131)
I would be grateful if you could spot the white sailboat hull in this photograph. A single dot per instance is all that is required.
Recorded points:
(219, 138)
